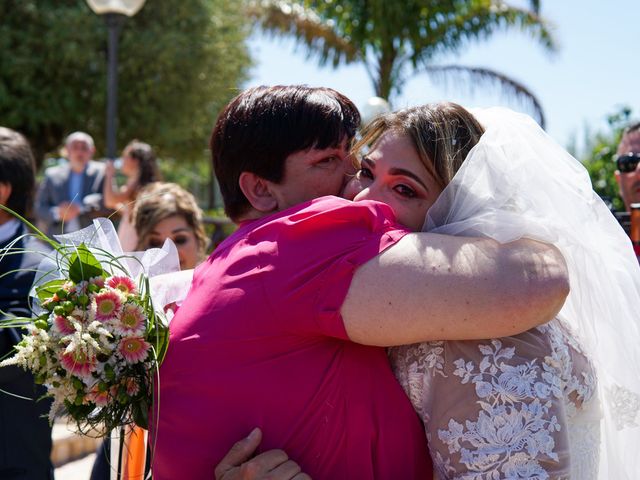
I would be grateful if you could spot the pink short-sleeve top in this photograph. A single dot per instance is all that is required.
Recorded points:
(260, 341)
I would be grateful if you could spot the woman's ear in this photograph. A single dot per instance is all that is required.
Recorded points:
(257, 191)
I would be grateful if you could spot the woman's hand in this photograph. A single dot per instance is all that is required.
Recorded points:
(274, 464)
(110, 169)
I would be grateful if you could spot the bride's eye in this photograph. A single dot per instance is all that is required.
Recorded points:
(364, 172)
(405, 191)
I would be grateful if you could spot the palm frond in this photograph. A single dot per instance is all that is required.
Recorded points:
(291, 19)
(475, 77)
(478, 21)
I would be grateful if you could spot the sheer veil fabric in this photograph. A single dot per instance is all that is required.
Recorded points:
(518, 182)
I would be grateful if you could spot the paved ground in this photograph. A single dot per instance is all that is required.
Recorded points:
(76, 470)
(74, 453)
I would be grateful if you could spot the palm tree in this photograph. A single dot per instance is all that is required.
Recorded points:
(397, 39)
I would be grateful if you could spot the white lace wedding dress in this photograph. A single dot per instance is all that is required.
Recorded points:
(540, 404)
(510, 408)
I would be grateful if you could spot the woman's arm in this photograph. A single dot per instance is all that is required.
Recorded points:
(436, 287)
(114, 197)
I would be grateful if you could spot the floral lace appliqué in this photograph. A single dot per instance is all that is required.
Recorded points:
(625, 406)
(513, 426)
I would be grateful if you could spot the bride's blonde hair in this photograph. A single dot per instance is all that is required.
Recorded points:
(442, 133)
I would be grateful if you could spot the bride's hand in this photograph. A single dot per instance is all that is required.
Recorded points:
(273, 464)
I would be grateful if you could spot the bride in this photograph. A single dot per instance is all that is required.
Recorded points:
(560, 401)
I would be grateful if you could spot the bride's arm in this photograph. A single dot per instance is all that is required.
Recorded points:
(436, 287)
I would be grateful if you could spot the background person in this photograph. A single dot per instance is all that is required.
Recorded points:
(161, 211)
(71, 194)
(628, 172)
(140, 168)
(166, 210)
(25, 434)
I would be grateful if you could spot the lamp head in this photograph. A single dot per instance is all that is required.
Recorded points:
(122, 7)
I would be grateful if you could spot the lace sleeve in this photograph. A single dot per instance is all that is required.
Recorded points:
(497, 407)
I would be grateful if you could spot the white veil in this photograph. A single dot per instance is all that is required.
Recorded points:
(517, 182)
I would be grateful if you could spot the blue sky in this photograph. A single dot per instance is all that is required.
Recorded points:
(596, 69)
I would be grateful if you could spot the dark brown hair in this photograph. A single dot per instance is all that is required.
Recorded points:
(262, 126)
(17, 168)
(147, 166)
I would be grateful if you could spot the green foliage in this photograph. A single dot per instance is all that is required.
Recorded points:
(395, 40)
(180, 61)
(83, 265)
(194, 176)
(599, 155)
(49, 289)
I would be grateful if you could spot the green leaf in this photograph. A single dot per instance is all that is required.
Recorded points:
(83, 265)
(49, 289)
(159, 338)
(140, 411)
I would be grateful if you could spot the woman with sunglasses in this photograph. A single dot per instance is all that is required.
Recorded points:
(166, 210)
(161, 211)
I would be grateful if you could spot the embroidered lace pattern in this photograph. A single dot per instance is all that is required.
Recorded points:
(502, 408)
(626, 405)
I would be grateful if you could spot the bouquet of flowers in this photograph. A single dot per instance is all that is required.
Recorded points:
(99, 331)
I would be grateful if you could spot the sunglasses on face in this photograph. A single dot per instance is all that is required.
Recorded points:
(628, 162)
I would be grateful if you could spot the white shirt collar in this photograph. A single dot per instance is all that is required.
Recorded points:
(9, 229)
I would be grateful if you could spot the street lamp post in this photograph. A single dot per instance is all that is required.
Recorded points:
(115, 12)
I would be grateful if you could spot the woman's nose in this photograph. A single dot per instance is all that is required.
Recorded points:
(364, 194)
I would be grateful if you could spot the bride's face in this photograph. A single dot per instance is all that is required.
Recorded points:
(393, 173)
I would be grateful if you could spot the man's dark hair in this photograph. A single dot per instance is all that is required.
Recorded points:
(17, 168)
(262, 126)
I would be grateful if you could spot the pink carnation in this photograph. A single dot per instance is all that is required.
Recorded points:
(133, 349)
(131, 320)
(98, 281)
(64, 325)
(108, 305)
(78, 363)
(124, 284)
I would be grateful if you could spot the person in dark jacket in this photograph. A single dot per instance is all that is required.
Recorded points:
(25, 433)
